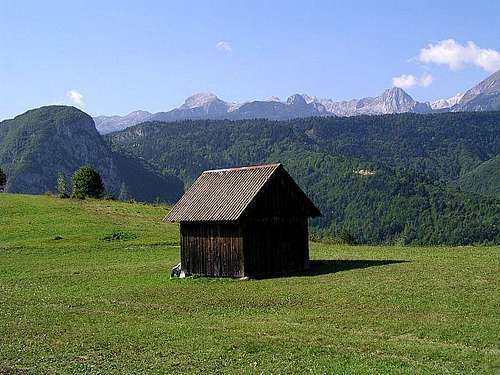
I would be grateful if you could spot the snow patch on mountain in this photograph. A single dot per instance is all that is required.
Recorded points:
(446, 103)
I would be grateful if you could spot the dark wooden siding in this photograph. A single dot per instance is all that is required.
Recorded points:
(280, 197)
(275, 246)
(275, 238)
(212, 249)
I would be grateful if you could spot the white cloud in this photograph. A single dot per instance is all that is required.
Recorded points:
(75, 97)
(426, 80)
(224, 46)
(456, 56)
(406, 81)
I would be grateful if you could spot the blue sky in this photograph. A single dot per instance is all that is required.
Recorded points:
(113, 57)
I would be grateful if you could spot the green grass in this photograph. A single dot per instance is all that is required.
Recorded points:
(100, 300)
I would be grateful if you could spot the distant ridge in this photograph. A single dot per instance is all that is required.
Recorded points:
(483, 97)
(109, 124)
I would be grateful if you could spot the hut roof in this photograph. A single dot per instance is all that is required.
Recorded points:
(225, 194)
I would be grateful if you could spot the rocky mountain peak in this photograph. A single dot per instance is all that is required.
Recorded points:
(273, 99)
(310, 99)
(296, 100)
(396, 93)
(139, 113)
(446, 103)
(200, 100)
(396, 100)
(485, 96)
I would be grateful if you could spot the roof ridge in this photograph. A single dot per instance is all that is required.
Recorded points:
(226, 194)
(260, 166)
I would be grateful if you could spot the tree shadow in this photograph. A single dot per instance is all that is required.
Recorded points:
(326, 266)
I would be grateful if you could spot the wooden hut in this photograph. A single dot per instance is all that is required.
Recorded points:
(249, 221)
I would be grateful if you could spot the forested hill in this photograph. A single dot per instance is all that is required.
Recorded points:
(38, 145)
(391, 178)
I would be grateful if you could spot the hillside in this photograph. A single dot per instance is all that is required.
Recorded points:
(484, 179)
(74, 302)
(408, 194)
(38, 145)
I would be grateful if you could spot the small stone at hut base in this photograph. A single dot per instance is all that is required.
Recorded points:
(176, 271)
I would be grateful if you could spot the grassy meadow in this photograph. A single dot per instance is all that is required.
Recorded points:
(85, 288)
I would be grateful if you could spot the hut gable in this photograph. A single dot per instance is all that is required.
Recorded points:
(281, 197)
(229, 194)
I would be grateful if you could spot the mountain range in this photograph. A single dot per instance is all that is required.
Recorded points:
(397, 178)
(483, 97)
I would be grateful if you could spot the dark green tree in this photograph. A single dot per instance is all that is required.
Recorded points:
(62, 185)
(3, 179)
(87, 183)
(346, 237)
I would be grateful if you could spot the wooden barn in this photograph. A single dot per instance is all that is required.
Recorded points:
(249, 221)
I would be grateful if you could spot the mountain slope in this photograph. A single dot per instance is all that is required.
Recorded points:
(485, 96)
(39, 144)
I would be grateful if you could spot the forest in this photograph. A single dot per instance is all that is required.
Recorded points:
(401, 178)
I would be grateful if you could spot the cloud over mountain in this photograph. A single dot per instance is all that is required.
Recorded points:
(407, 81)
(457, 56)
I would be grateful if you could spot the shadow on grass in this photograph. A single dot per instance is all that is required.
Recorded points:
(323, 267)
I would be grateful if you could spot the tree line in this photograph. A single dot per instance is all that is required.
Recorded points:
(86, 183)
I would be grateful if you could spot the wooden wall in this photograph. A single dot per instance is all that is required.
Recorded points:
(275, 233)
(276, 246)
(270, 239)
(212, 249)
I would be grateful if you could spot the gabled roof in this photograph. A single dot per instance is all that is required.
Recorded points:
(225, 194)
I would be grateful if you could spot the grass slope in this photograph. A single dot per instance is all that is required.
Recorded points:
(81, 304)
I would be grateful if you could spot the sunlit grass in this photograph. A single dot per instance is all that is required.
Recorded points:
(81, 304)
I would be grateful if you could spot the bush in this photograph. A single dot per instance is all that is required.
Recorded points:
(119, 236)
(346, 237)
(62, 186)
(87, 183)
